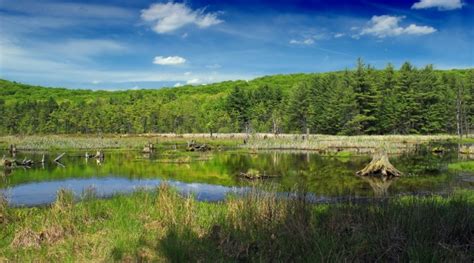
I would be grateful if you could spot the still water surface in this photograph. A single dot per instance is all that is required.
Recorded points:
(212, 176)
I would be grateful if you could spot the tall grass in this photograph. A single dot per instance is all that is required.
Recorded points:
(51, 142)
(331, 143)
(260, 226)
(361, 144)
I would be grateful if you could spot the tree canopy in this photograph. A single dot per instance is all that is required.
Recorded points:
(359, 101)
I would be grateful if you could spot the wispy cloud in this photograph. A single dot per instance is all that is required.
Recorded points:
(440, 4)
(172, 60)
(307, 41)
(388, 26)
(171, 16)
(213, 66)
(17, 62)
(66, 9)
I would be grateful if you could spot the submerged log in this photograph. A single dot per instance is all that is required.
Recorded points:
(59, 157)
(380, 166)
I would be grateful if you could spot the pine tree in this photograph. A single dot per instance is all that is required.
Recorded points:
(366, 99)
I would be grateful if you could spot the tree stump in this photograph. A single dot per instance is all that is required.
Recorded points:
(380, 166)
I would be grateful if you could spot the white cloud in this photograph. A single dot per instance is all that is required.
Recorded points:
(193, 81)
(187, 73)
(95, 82)
(35, 64)
(307, 41)
(387, 26)
(338, 35)
(440, 4)
(172, 16)
(418, 30)
(179, 84)
(173, 60)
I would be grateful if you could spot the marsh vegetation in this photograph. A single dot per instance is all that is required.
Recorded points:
(161, 225)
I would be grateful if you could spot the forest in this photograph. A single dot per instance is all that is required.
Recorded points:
(363, 100)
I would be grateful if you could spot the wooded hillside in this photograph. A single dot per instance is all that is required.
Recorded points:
(359, 101)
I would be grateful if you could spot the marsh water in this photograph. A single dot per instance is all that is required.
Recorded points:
(212, 176)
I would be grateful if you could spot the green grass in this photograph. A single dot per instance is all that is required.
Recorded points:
(126, 142)
(466, 166)
(162, 226)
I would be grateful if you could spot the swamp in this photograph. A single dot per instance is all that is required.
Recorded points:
(154, 199)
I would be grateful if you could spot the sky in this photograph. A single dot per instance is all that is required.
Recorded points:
(119, 44)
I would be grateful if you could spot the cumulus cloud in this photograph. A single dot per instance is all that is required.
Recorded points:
(172, 60)
(440, 4)
(179, 84)
(388, 26)
(171, 16)
(307, 41)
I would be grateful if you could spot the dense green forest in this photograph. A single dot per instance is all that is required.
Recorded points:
(359, 101)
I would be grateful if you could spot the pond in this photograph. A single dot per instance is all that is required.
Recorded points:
(212, 176)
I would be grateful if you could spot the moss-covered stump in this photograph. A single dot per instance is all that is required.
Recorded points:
(380, 166)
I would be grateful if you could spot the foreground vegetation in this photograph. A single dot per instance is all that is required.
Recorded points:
(351, 102)
(161, 226)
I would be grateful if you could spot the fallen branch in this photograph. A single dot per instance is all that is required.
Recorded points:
(59, 157)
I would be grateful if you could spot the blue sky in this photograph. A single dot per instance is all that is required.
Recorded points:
(118, 44)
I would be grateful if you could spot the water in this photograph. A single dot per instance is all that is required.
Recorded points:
(212, 176)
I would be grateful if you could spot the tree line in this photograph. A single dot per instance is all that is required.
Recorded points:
(363, 100)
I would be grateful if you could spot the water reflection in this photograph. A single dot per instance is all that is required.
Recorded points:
(212, 173)
(379, 184)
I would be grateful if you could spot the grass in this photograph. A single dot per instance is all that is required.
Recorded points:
(137, 142)
(162, 226)
(363, 144)
(323, 143)
(466, 166)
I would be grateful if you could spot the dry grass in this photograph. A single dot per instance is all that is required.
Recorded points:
(357, 144)
(323, 143)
